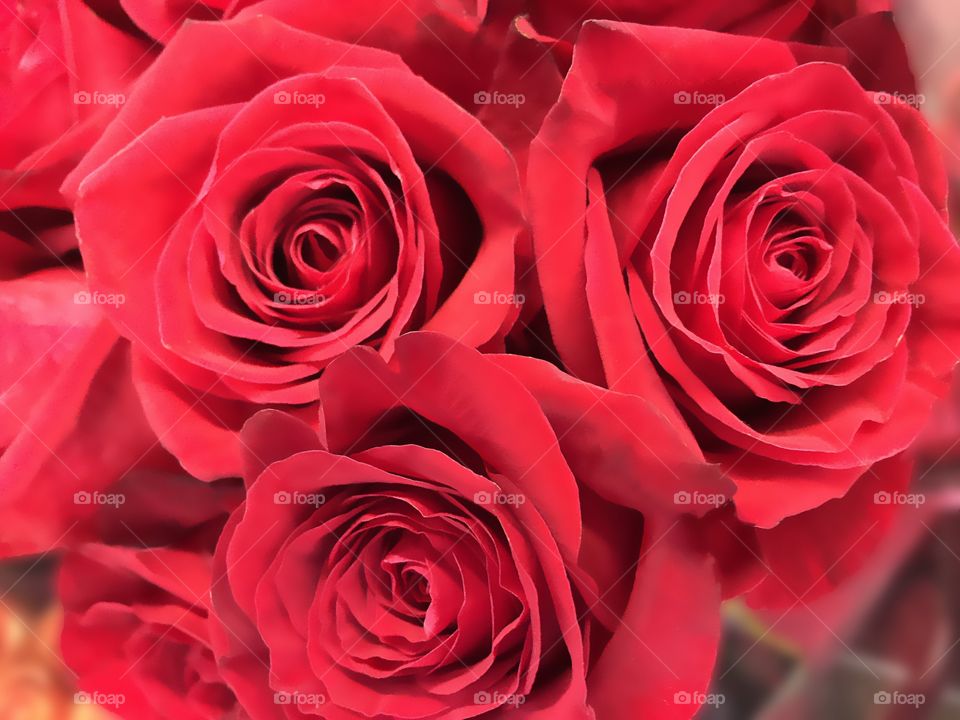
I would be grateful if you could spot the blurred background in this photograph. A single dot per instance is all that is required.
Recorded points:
(887, 645)
(884, 647)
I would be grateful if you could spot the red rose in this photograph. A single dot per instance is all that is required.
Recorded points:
(61, 360)
(295, 198)
(136, 633)
(70, 420)
(762, 252)
(136, 598)
(431, 553)
(53, 96)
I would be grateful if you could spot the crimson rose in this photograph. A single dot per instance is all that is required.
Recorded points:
(295, 198)
(136, 598)
(136, 633)
(757, 245)
(54, 100)
(433, 553)
(70, 420)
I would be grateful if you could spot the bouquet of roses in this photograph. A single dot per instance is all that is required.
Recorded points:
(440, 359)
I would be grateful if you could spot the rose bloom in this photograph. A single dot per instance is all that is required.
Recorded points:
(54, 99)
(135, 632)
(71, 424)
(758, 246)
(297, 197)
(431, 554)
(70, 420)
(136, 602)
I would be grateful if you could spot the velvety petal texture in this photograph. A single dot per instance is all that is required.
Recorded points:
(136, 632)
(70, 420)
(755, 243)
(452, 359)
(297, 198)
(430, 555)
(54, 93)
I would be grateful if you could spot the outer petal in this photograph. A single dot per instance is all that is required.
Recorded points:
(619, 445)
(67, 397)
(671, 628)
